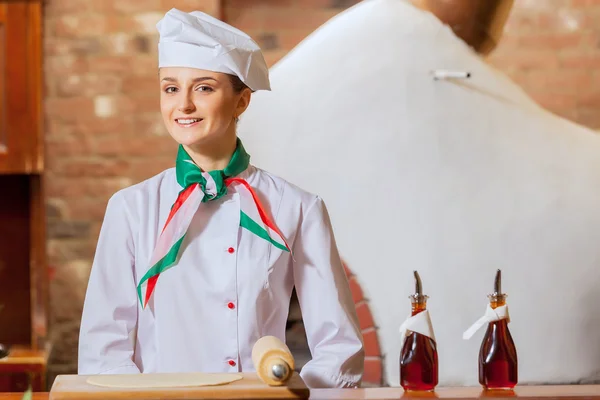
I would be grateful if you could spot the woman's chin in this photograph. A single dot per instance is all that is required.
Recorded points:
(190, 139)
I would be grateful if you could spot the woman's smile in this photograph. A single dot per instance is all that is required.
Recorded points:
(188, 122)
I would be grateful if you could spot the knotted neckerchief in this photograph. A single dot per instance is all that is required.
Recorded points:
(200, 187)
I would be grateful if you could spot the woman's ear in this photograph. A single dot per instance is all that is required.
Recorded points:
(243, 102)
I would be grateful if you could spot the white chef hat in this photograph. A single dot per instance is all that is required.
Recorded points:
(197, 40)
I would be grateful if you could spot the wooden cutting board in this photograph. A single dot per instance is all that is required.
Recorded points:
(70, 387)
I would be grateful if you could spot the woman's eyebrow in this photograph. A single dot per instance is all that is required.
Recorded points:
(195, 80)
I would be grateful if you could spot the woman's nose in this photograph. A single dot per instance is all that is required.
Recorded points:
(186, 104)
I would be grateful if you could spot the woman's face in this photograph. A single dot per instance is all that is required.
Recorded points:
(198, 106)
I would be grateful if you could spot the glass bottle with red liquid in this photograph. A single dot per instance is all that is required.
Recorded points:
(418, 357)
(498, 354)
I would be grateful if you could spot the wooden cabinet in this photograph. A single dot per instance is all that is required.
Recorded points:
(20, 87)
(23, 270)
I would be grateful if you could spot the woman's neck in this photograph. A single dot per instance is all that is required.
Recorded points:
(212, 157)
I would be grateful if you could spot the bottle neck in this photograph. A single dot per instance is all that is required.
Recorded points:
(497, 300)
(499, 327)
(418, 306)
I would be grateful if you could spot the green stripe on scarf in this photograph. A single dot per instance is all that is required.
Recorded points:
(162, 265)
(252, 226)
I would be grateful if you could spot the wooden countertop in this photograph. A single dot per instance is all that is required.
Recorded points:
(23, 355)
(587, 392)
(578, 392)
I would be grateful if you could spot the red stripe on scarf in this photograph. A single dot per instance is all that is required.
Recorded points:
(261, 211)
(150, 288)
(183, 196)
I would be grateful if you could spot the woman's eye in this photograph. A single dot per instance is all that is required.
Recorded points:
(170, 89)
(205, 89)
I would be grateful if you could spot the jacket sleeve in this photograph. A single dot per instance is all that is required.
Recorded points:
(108, 324)
(328, 311)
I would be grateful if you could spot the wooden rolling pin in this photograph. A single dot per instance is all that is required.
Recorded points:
(273, 361)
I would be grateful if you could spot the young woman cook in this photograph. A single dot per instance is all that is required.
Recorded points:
(197, 263)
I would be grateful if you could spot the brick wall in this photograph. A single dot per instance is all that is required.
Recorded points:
(104, 132)
(552, 49)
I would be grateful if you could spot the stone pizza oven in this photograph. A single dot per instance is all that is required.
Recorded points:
(296, 336)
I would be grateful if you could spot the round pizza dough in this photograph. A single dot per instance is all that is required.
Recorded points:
(143, 381)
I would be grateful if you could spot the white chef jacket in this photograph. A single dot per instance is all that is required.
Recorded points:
(228, 288)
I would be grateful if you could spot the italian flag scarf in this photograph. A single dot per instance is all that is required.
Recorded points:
(200, 187)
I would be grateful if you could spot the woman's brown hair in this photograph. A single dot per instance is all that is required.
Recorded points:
(237, 84)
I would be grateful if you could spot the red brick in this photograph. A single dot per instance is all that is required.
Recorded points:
(551, 40)
(589, 117)
(260, 4)
(357, 294)
(110, 64)
(86, 46)
(143, 22)
(58, 130)
(68, 147)
(289, 39)
(590, 100)
(266, 40)
(211, 7)
(85, 187)
(62, 7)
(70, 109)
(62, 251)
(151, 124)
(63, 229)
(244, 18)
(151, 101)
(581, 61)
(135, 65)
(88, 85)
(133, 6)
(135, 85)
(555, 101)
(65, 65)
(280, 19)
(373, 373)
(508, 41)
(273, 57)
(527, 59)
(95, 230)
(521, 23)
(141, 146)
(87, 209)
(563, 81)
(371, 343)
(129, 43)
(102, 126)
(571, 20)
(117, 105)
(145, 65)
(143, 169)
(365, 319)
(89, 167)
(86, 25)
(585, 3)
(56, 46)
